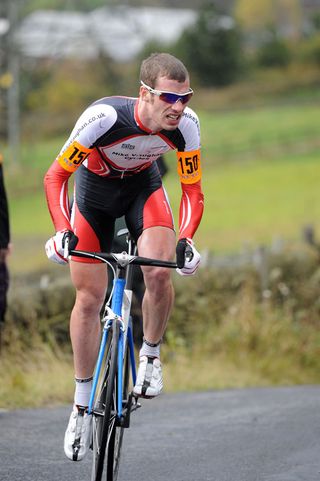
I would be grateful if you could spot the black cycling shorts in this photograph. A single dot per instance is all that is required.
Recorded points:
(99, 201)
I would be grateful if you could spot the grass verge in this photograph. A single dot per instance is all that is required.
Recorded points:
(224, 332)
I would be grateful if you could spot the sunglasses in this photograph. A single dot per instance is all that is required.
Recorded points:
(169, 97)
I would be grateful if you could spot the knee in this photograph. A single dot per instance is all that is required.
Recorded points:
(157, 278)
(90, 302)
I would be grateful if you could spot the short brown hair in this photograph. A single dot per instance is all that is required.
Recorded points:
(162, 65)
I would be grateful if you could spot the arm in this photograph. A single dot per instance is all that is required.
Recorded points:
(56, 183)
(56, 189)
(91, 125)
(191, 210)
(192, 200)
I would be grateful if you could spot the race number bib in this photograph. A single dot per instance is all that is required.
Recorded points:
(73, 156)
(189, 167)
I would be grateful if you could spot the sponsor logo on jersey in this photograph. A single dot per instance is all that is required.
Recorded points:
(128, 146)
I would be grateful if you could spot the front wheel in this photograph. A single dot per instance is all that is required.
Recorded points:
(104, 412)
(116, 437)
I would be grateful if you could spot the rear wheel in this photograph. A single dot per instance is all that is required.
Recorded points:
(104, 413)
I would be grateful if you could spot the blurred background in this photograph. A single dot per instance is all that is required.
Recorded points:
(255, 70)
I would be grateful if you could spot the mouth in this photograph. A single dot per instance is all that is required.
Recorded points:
(173, 117)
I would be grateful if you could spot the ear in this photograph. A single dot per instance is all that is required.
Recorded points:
(144, 94)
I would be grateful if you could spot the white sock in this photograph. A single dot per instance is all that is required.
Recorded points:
(151, 351)
(83, 391)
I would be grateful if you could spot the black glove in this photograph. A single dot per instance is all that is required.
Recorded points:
(72, 240)
(184, 252)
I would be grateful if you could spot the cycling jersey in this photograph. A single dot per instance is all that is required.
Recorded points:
(110, 142)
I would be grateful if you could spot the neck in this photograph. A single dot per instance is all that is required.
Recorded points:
(145, 118)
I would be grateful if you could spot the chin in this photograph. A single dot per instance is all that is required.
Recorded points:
(171, 125)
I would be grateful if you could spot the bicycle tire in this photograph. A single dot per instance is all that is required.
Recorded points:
(116, 438)
(103, 412)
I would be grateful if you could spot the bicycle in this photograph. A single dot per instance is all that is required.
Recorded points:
(111, 401)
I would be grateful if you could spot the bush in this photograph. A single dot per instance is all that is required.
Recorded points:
(242, 312)
(292, 287)
(225, 331)
(274, 53)
(309, 50)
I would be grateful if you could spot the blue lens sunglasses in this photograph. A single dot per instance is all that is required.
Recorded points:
(169, 97)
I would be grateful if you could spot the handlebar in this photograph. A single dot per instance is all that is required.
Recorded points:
(123, 259)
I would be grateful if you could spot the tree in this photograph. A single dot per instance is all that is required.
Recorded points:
(212, 48)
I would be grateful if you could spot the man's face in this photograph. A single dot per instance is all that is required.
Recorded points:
(159, 114)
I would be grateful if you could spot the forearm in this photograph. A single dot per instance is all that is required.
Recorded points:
(191, 209)
(56, 190)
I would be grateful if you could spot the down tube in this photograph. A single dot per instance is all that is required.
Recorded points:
(98, 368)
(117, 300)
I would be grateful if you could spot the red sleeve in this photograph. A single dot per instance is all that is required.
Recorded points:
(56, 189)
(191, 209)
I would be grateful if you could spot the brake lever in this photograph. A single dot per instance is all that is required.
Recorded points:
(66, 248)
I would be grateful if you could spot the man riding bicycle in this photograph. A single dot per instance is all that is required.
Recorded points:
(112, 151)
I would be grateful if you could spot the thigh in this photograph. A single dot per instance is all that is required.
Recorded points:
(157, 242)
(90, 281)
(93, 213)
(94, 230)
(150, 209)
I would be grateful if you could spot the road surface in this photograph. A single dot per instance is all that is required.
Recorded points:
(261, 434)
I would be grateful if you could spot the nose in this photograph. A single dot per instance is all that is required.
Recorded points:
(178, 105)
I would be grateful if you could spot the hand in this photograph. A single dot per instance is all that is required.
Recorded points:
(55, 246)
(188, 258)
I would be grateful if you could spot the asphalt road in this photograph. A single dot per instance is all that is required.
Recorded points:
(234, 435)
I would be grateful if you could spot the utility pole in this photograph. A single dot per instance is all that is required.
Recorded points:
(13, 91)
(4, 76)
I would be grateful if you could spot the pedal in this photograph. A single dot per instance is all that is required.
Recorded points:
(130, 405)
(134, 403)
(124, 421)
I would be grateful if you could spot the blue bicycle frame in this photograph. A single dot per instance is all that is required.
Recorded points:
(116, 307)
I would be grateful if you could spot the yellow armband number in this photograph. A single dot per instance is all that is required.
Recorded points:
(189, 167)
(73, 156)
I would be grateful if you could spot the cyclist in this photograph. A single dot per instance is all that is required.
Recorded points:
(112, 151)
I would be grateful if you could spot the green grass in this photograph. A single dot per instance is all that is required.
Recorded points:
(256, 202)
(26, 375)
(259, 133)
